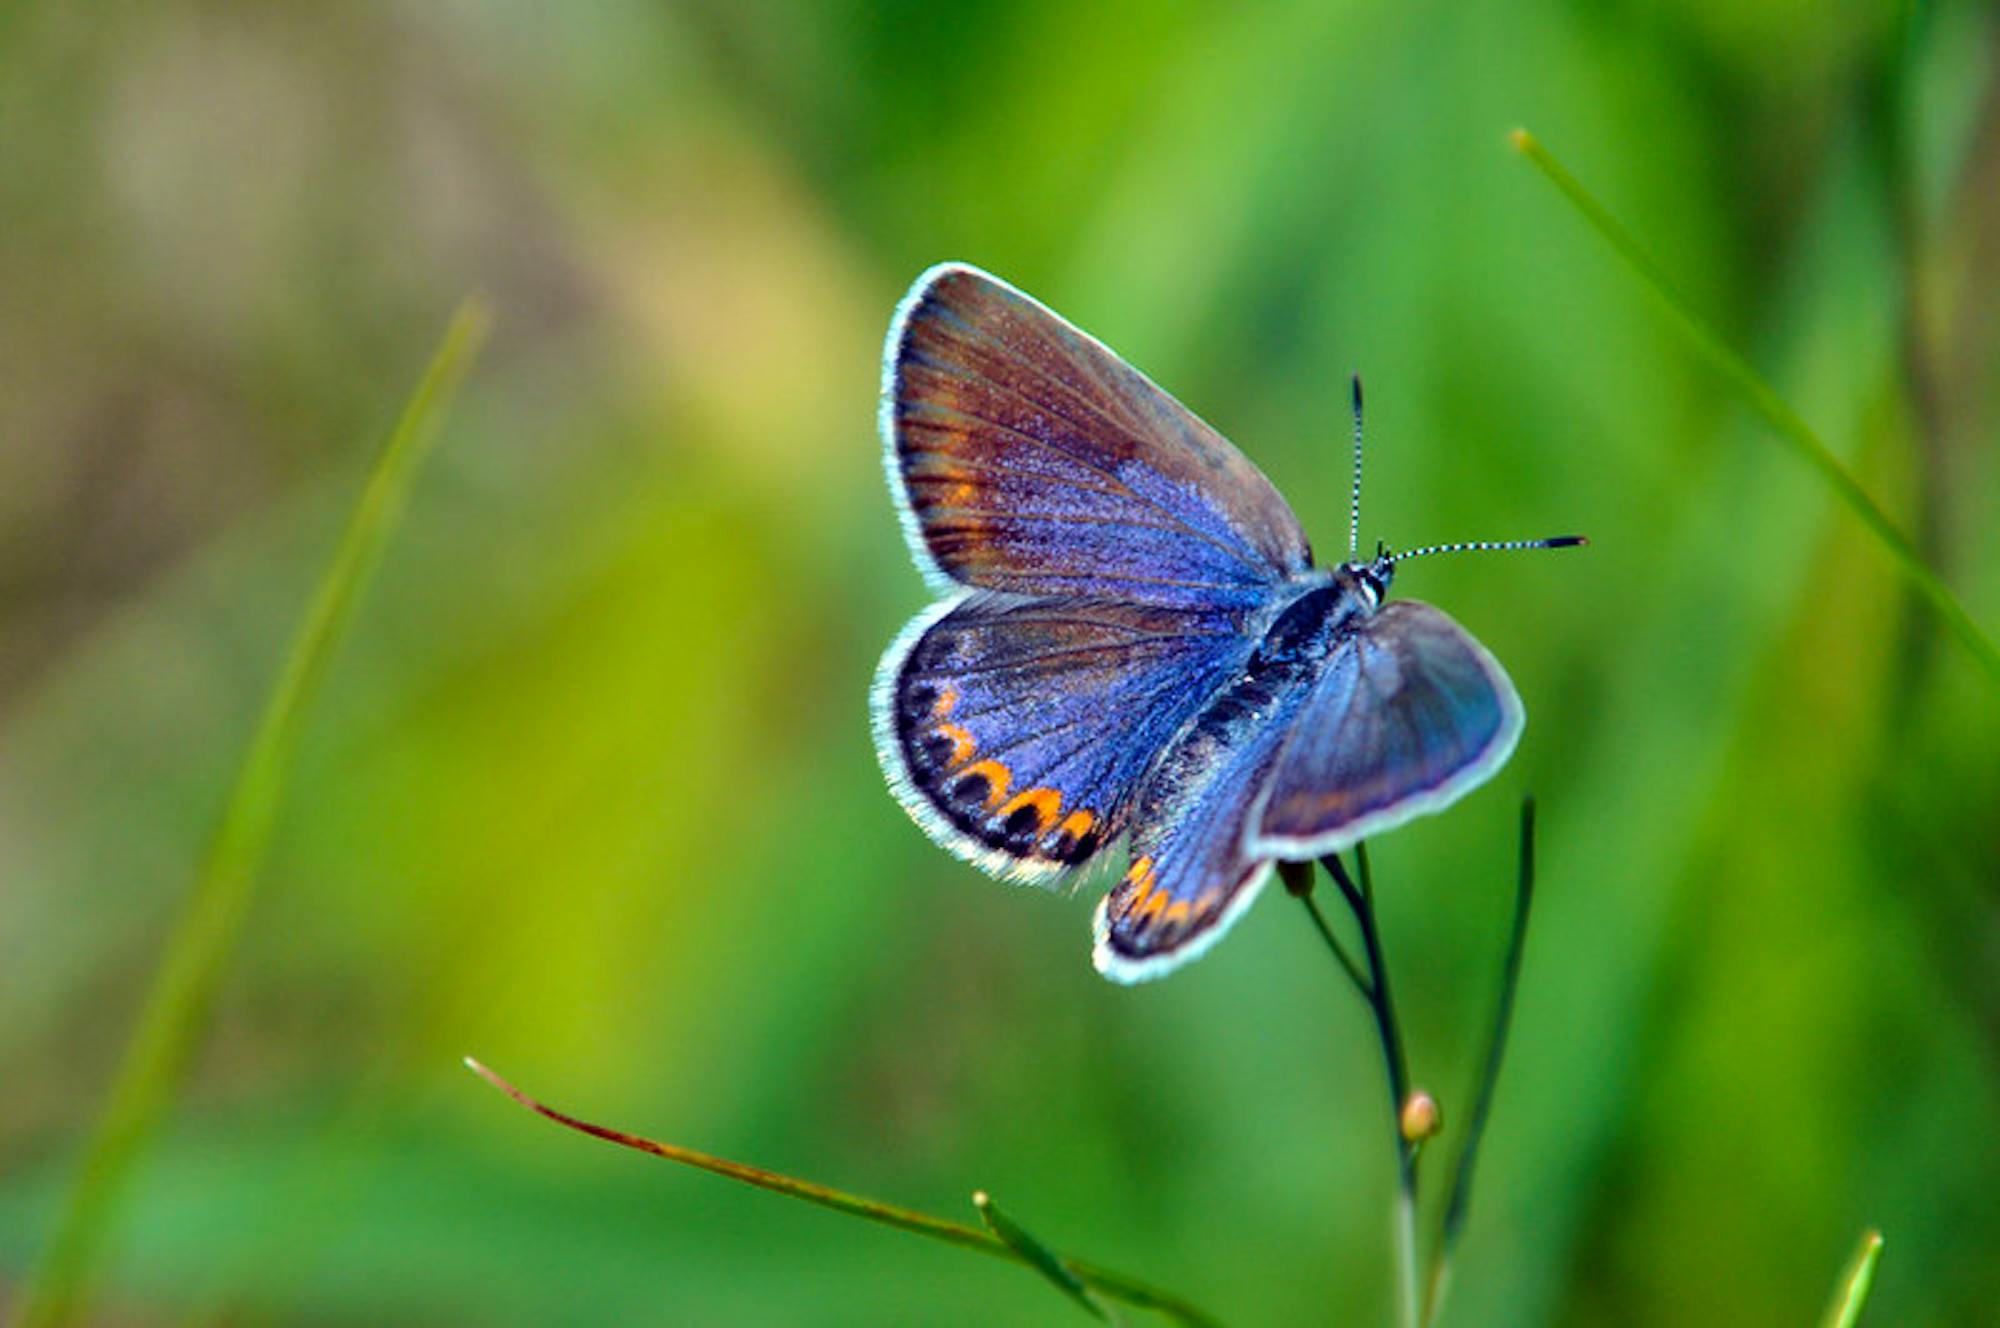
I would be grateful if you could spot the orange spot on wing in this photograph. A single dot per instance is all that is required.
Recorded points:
(961, 744)
(944, 703)
(1176, 912)
(1078, 823)
(997, 776)
(957, 488)
(1140, 877)
(1046, 802)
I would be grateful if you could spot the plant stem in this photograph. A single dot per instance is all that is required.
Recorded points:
(1851, 1296)
(1406, 1245)
(1361, 899)
(1460, 1201)
(1346, 961)
(1113, 1284)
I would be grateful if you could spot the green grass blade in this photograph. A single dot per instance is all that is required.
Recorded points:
(1037, 1255)
(1851, 1296)
(1103, 1280)
(1785, 421)
(177, 1006)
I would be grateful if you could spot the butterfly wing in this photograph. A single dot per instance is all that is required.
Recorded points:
(1015, 731)
(1026, 457)
(1408, 715)
(1195, 868)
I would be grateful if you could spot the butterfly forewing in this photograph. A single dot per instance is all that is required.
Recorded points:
(1030, 459)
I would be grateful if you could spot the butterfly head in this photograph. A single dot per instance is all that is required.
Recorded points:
(1370, 579)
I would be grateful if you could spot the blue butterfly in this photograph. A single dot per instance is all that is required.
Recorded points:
(1132, 638)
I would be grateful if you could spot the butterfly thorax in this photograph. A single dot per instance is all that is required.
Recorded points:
(1326, 607)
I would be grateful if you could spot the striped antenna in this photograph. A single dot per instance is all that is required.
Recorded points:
(1354, 499)
(1471, 546)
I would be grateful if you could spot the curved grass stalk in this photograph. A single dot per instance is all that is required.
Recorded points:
(177, 1007)
(1784, 421)
(1851, 1296)
(1064, 1270)
(1373, 988)
(1371, 982)
(1458, 1205)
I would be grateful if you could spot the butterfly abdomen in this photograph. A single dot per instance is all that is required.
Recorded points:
(1274, 681)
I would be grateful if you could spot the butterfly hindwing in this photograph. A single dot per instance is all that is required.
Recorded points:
(1408, 714)
(1028, 458)
(1016, 731)
(1194, 868)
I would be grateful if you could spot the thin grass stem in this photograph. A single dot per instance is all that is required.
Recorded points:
(1406, 1247)
(1103, 1280)
(1850, 1297)
(1348, 890)
(177, 1006)
(1459, 1202)
(1784, 421)
(1381, 1003)
(1345, 960)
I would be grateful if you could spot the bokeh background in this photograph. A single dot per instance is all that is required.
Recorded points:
(590, 793)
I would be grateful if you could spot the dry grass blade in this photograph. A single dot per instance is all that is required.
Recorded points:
(1102, 1280)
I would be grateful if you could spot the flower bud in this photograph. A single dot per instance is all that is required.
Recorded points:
(1421, 1117)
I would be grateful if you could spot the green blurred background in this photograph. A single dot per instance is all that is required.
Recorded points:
(590, 793)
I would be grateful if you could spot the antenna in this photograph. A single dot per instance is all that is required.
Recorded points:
(1354, 500)
(1383, 556)
(1472, 546)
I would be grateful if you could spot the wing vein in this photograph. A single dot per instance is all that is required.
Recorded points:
(1038, 659)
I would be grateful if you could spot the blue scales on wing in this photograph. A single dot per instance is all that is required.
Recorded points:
(1344, 720)
(1016, 731)
(1409, 714)
(1028, 458)
(1194, 869)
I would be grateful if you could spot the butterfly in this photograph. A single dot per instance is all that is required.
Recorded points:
(1131, 639)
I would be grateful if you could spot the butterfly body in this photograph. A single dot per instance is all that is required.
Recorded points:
(1308, 625)
(1134, 641)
